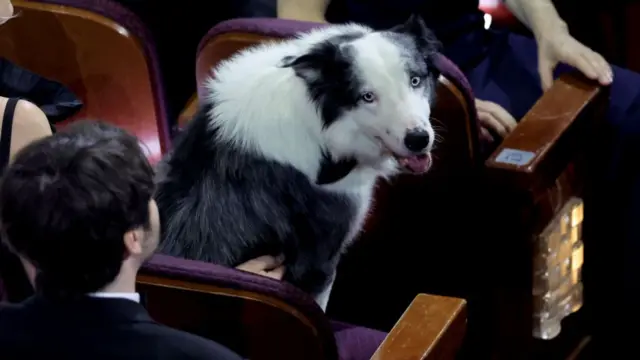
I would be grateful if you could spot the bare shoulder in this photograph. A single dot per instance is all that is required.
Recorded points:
(30, 116)
(29, 124)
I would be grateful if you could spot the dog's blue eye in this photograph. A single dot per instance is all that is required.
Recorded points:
(415, 81)
(368, 97)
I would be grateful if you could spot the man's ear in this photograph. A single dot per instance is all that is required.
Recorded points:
(133, 241)
(307, 66)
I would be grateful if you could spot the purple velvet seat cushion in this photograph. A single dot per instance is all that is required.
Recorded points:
(356, 342)
(278, 28)
(133, 24)
(207, 273)
(457, 77)
(352, 342)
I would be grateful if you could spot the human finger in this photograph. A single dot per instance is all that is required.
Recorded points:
(276, 273)
(485, 135)
(545, 70)
(488, 120)
(582, 62)
(501, 114)
(601, 66)
(261, 263)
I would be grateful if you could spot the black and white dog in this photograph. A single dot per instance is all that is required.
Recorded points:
(284, 154)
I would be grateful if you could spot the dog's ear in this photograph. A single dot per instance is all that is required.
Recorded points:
(416, 28)
(307, 66)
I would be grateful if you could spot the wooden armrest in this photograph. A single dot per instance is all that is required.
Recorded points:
(546, 138)
(431, 328)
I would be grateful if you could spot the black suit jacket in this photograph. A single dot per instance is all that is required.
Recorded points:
(95, 329)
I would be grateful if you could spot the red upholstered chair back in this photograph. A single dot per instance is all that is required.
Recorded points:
(102, 53)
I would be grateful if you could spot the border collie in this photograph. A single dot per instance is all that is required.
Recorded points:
(284, 153)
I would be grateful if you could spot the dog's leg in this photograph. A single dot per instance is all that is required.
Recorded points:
(315, 280)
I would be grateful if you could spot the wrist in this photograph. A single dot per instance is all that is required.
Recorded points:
(302, 10)
(550, 29)
(302, 17)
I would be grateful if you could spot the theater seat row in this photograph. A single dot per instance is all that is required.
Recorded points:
(104, 54)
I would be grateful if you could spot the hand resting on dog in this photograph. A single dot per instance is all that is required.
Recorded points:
(269, 266)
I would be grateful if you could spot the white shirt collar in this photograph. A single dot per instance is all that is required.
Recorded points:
(114, 295)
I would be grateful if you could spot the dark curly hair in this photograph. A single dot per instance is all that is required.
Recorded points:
(67, 201)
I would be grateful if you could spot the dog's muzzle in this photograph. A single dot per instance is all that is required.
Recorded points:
(417, 142)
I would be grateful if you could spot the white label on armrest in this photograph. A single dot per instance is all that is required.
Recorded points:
(514, 157)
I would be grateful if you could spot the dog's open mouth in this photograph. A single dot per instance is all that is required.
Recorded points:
(417, 164)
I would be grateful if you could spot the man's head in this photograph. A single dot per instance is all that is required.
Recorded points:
(78, 206)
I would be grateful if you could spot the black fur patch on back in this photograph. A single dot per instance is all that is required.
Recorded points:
(330, 77)
(223, 205)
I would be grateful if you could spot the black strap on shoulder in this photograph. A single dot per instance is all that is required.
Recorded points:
(16, 282)
(5, 135)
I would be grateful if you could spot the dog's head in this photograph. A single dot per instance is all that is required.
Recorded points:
(374, 92)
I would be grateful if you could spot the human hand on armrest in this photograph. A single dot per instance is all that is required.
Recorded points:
(555, 43)
(269, 266)
(548, 136)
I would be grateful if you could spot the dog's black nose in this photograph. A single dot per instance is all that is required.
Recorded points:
(416, 140)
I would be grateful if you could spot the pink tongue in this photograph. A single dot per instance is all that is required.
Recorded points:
(417, 164)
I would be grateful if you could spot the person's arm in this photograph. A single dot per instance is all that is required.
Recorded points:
(540, 16)
(304, 10)
(29, 124)
(556, 45)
